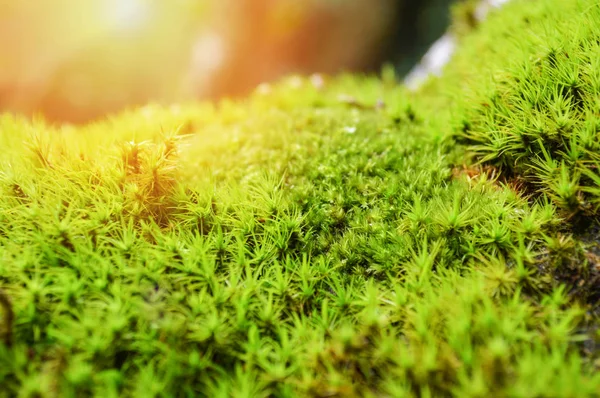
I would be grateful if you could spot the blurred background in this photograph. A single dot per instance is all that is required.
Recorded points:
(76, 60)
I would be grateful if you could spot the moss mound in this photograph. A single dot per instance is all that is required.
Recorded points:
(537, 118)
(320, 238)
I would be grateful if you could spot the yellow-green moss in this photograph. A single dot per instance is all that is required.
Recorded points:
(315, 239)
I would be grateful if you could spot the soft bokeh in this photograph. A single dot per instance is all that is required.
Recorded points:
(75, 60)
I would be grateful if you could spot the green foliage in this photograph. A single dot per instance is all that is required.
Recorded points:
(316, 239)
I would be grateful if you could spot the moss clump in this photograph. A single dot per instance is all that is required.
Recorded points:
(317, 239)
(537, 117)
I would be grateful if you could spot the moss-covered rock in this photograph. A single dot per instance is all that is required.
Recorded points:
(323, 237)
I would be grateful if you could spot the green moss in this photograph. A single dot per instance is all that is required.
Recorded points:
(312, 240)
(536, 117)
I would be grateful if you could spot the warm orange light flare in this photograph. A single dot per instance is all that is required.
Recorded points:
(74, 60)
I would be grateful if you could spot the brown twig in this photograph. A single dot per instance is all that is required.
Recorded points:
(9, 317)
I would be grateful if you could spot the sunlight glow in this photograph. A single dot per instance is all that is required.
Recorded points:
(128, 14)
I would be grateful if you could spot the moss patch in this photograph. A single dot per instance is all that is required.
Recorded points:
(332, 238)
